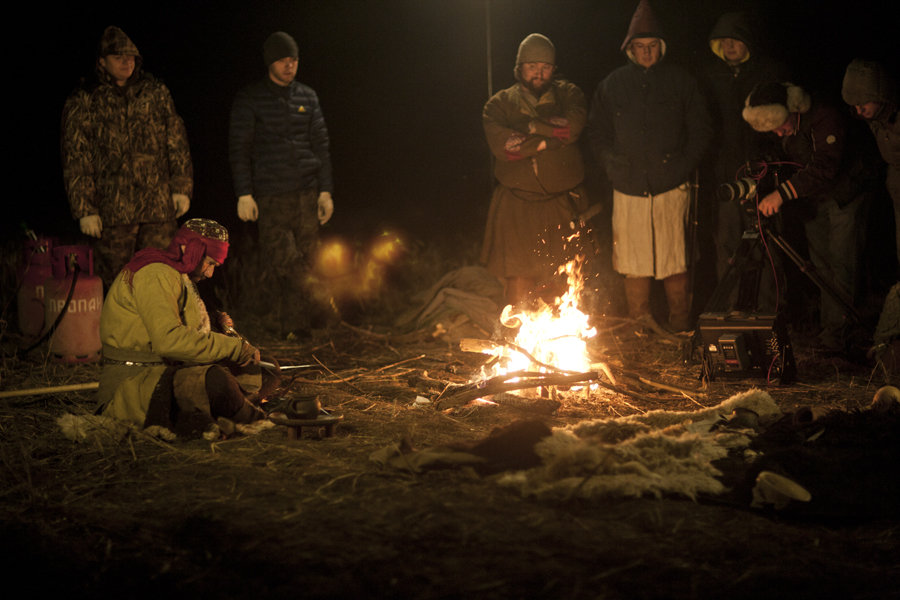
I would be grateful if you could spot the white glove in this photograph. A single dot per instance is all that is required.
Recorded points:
(91, 225)
(182, 204)
(247, 210)
(326, 207)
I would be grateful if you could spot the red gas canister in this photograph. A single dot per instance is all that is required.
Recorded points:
(77, 336)
(34, 270)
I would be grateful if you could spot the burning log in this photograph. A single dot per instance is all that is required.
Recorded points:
(521, 381)
(508, 383)
(551, 340)
(491, 347)
(536, 406)
(496, 348)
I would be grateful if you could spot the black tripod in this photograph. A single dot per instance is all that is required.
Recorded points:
(741, 334)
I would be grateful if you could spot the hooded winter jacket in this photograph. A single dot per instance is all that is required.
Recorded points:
(726, 87)
(649, 127)
(866, 81)
(124, 149)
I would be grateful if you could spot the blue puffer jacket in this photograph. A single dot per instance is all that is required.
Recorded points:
(278, 142)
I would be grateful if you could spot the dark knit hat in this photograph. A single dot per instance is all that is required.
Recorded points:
(770, 104)
(536, 48)
(277, 46)
(643, 24)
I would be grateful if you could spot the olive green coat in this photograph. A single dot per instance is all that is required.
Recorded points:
(157, 317)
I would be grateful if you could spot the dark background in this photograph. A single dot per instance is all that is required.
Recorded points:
(401, 82)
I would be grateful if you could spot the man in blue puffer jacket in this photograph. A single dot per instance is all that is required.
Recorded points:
(281, 166)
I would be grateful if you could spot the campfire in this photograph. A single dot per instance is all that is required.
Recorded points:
(550, 347)
(554, 337)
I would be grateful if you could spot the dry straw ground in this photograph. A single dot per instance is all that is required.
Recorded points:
(264, 517)
(261, 516)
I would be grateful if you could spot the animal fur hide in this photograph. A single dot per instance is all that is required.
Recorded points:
(654, 454)
(98, 428)
(661, 452)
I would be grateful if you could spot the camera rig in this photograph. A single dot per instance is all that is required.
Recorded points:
(740, 335)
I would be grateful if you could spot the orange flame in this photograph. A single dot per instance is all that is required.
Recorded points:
(554, 335)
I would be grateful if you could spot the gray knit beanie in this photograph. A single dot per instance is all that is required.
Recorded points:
(536, 48)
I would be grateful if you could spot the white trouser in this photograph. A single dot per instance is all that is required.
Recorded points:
(649, 233)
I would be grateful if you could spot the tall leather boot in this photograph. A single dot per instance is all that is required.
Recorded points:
(678, 296)
(637, 296)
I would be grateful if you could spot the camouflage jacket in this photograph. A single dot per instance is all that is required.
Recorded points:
(124, 151)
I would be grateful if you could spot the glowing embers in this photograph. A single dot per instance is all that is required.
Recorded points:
(550, 339)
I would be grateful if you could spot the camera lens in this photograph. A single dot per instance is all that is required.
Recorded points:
(738, 190)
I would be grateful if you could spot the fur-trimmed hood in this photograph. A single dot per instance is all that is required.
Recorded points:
(770, 104)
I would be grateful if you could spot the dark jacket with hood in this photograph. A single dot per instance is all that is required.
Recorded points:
(818, 146)
(830, 162)
(868, 81)
(124, 148)
(726, 87)
(649, 126)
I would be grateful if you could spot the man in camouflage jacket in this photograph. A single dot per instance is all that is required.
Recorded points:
(126, 162)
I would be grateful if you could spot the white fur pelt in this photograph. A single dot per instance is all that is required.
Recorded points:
(97, 428)
(660, 452)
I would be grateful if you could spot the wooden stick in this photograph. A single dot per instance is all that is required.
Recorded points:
(54, 389)
(487, 346)
(385, 367)
(661, 386)
(502, 384)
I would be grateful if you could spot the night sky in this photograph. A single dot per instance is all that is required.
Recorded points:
(401, 83)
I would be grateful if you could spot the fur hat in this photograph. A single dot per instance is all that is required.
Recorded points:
(643, 24)
(867, 81)
(770, 104)
(279, 45)
(536, 48)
